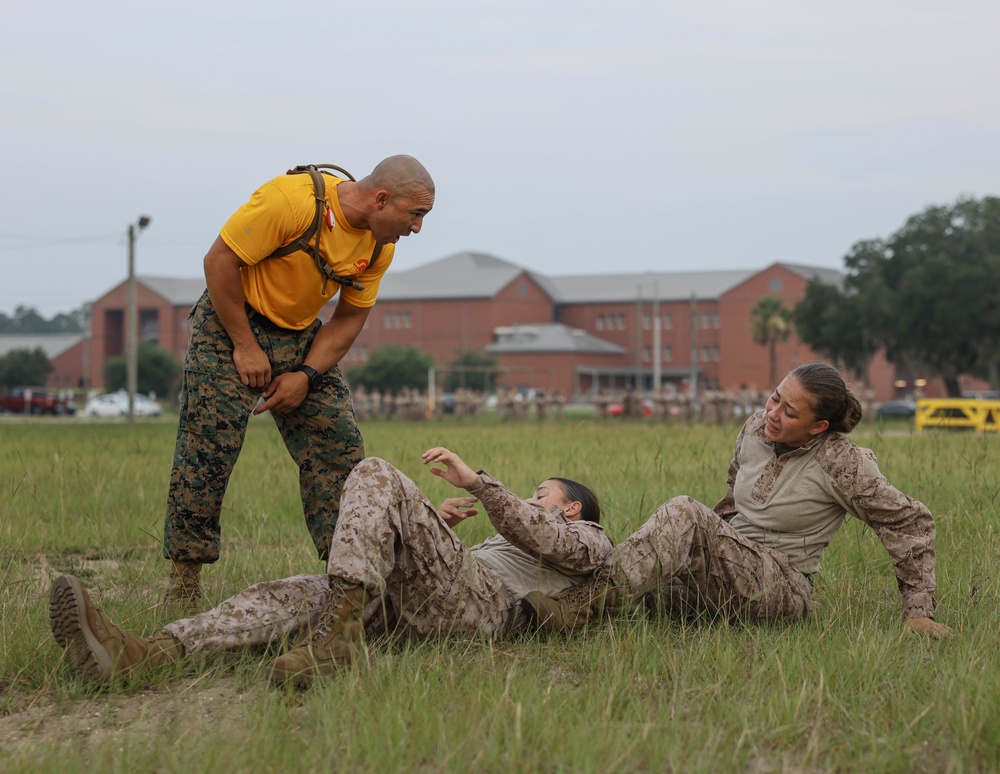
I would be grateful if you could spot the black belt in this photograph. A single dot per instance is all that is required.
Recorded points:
(266, 322)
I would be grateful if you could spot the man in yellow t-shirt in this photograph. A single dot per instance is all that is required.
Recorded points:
(257, 345)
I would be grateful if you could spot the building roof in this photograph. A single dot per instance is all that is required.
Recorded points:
(462, 275)
(829, 276)
(480, 275)
(179, 292)
(618, 288)
(549, 337)
(52, 344)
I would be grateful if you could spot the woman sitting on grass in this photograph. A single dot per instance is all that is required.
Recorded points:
(791, 480)
(390, 544)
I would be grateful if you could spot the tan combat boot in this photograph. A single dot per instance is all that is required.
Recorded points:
(337, 638)
(183, 595)
(570, 609)
(95, 648)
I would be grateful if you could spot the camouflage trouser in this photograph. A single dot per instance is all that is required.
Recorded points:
(687, 560)
(256, 616)
(321, 435)
(390, 540)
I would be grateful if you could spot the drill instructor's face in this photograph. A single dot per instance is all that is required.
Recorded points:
(399, 215)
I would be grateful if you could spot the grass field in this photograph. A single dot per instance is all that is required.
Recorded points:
(844, 691)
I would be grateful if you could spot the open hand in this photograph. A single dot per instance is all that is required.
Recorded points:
(455, 510)
(457, 473)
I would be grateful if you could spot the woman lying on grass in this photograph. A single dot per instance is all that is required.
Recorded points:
(792, 478)
(390, 546)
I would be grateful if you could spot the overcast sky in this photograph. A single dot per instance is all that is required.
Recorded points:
(568, 136)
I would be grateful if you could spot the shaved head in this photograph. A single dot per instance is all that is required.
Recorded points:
(402, 175)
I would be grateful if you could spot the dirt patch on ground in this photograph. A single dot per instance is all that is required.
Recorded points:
(104, 718)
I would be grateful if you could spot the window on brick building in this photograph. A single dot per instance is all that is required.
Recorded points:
(599, 322)
(621, 322)
(705, 354)
(388, 319)
(776, 285)
(668, 320)
(407, 320)
(668, 353)
(647, 354)
(716, 321)
(705, 321)
(149, 325)
(716, 355)
(647, 321)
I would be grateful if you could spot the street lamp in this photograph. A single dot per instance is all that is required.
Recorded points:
(132, 320)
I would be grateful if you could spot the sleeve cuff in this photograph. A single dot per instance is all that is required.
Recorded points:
(481, 484)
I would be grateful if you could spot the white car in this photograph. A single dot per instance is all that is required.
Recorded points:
(115, 404)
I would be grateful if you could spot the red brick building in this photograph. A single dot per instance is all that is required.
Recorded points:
(575, 334)
(65, 352)
(554, 332)
(163, 305)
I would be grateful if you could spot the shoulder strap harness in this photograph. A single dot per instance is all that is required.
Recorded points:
(309, 242)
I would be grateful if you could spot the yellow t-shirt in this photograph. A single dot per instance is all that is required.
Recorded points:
(289, 290)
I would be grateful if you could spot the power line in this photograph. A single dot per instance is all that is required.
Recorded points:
(66, 241)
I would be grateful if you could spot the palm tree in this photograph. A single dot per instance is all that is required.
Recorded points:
(771, 323)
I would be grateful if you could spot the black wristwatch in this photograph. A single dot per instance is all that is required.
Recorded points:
(315, 377)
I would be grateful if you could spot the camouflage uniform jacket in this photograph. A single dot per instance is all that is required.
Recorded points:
(536, 548)
(796, 502)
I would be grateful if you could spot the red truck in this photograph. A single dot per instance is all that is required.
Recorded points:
(35, 400)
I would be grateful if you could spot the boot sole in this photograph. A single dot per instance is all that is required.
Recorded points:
(68, 619)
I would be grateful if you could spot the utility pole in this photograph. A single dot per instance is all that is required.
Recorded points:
(132, 320)
(638, 340)
(657, 346)
(694, 348)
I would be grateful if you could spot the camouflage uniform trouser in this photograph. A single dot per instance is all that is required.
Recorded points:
(687, 560)
(321, 435)
(389, 539)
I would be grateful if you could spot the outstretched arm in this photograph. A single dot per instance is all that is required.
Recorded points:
(575, 547)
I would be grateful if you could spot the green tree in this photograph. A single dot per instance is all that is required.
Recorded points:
(158, 371)
(471, 369)
(26, 319)
(829, 321)
(927, 294)
(771, 324)
(24, 368)
(392, 368)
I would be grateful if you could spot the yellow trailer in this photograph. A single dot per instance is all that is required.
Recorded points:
(969, 413)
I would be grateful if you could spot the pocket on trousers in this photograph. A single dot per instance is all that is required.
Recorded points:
(198, 404)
